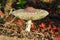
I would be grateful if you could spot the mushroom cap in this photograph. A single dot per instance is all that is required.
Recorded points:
(25, 15)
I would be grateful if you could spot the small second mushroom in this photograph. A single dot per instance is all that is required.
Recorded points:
(30, 14)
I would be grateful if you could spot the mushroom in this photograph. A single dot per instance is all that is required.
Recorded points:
(29, 16)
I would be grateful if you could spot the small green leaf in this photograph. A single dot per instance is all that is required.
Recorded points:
(21, 3)
(18, 2)
(58, 6)
(24, 2)
(0, 4)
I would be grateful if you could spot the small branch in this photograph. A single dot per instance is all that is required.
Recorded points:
(8, 6)
(9, 22)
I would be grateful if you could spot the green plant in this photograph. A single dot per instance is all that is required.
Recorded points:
(58, 8)
(2, 2)
(21, 3)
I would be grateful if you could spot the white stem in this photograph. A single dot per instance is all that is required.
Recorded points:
(28, 26)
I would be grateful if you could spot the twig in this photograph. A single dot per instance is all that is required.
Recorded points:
(9, 22)
(8, 14)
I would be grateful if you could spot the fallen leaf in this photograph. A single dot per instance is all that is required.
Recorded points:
(1, 13)
(42, 25)
(49, 27)
(32, 26)
(58, 38)
(55, 28)
(19, 22)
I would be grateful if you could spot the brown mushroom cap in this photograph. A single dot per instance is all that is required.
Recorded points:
(25, 15)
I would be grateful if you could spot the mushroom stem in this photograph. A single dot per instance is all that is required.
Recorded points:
(28, 26)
